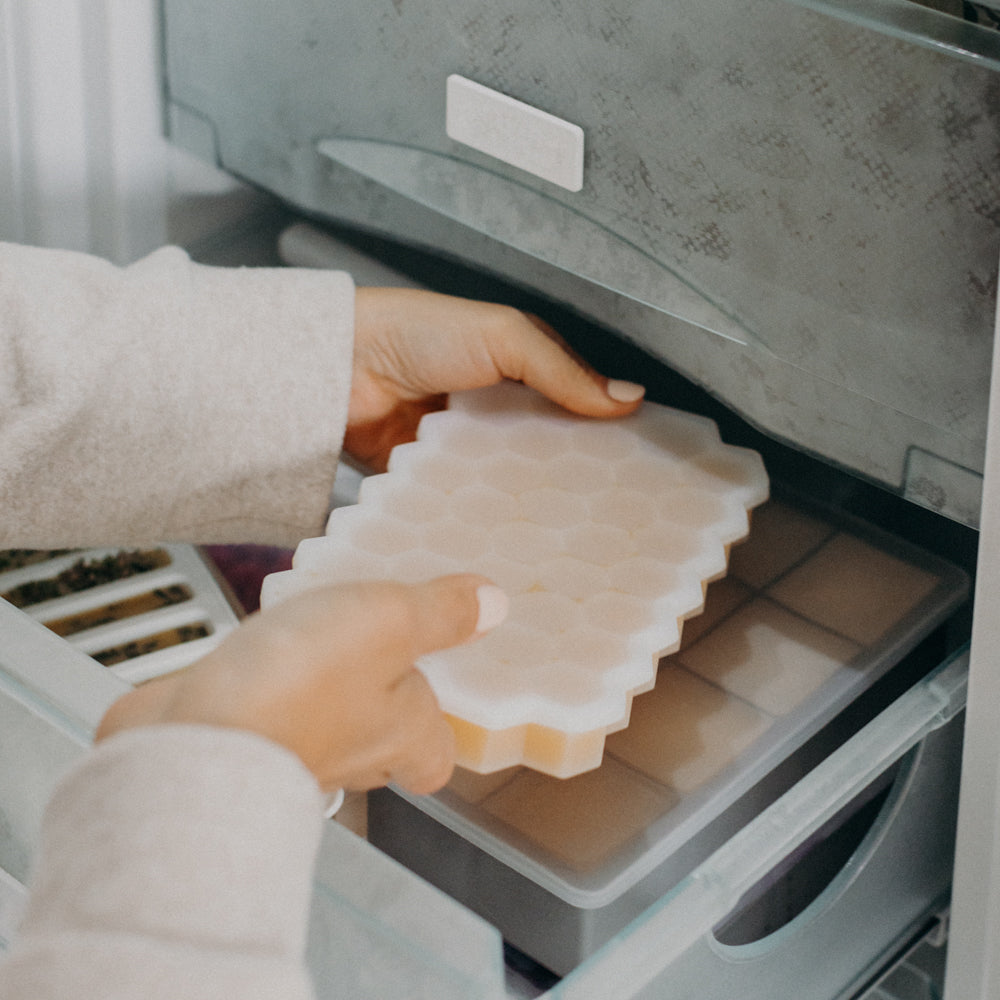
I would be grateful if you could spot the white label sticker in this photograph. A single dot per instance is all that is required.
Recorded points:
(514, 132)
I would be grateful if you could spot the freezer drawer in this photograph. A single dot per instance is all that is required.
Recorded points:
(895, 879)
(892, 884)
(791, 209)
(371, 928)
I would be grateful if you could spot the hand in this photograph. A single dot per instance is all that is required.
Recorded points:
(413, 347)
(329, 675)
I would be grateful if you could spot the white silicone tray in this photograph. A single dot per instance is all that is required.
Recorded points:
(604, 535)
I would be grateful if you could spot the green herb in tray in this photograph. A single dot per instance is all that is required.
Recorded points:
(87, 573)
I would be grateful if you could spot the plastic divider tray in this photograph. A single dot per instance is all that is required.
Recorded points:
(816, 610)
(140, 612)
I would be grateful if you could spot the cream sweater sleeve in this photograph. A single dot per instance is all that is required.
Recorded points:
(176, 864)
(168, 400)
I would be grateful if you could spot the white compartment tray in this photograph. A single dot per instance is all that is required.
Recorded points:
(141, 613)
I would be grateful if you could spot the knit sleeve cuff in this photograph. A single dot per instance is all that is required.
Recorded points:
(183, 833)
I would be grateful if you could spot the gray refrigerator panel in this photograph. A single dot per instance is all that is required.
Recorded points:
(794, 211)
(973, 973)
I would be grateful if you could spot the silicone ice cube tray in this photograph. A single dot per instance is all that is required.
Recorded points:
(603, 533)
(141, 613)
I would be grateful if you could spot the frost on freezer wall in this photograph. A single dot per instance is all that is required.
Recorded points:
(83, 162)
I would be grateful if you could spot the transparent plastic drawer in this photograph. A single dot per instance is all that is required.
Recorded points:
(852, 936)
(386, 932)
(794, 650)
(885, 893)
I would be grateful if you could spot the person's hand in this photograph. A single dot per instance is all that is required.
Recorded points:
(413, 347)
(329, 675)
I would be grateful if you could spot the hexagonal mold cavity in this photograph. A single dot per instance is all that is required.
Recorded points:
(515, 697)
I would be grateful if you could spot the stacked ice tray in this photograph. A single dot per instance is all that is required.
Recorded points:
(814, 610)
(604, 535)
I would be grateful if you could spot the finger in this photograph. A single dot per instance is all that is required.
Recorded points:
(384, 623)
(414, 748)
(430, 770)
(533, 353)
(370, 443)
(142, 705)
(426, 756)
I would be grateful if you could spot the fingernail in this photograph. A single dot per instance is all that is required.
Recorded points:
(625, 392)
(493, 607)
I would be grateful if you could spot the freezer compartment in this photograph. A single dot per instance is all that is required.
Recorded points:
(381, 930)
(786, 207)
(820, 619)
(703, 939)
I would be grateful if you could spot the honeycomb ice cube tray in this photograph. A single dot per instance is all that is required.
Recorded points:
(604, 534)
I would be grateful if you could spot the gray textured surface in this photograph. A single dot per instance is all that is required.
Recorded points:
(830, 190)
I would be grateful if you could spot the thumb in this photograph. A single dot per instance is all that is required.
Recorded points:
(329, 674)
(450, 610)
(387, 625)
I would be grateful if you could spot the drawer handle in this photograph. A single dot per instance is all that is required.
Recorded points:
(533, 223)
